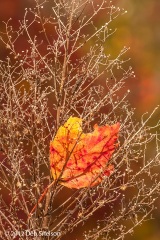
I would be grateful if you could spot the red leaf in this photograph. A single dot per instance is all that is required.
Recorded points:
(81, 159)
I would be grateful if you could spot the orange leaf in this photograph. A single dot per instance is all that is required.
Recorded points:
(80, 159)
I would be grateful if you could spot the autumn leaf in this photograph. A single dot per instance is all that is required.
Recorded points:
(79, 159)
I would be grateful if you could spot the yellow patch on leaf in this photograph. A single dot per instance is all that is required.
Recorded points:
(80, 159)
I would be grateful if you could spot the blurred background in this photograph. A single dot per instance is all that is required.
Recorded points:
(139, 29)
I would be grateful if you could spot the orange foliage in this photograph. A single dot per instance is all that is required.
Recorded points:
(80, 159)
